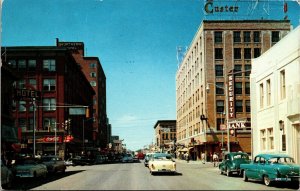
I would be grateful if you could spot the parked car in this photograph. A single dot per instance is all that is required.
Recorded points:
(29, 168)
(83, 160)
(147, 158)
(232, 161)
(271, 168)
(6, 176)
(100, 159)
(127, 158)
(162, 163)
(54, 164)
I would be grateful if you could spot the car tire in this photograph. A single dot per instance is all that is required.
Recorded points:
(245, 178)
(228, 173)
(267, 180)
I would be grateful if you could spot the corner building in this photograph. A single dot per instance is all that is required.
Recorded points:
(220, 48)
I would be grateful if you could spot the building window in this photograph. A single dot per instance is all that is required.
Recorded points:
(49, 124)
(218, 53)
(22, 65)
(270, 139)
(21, 84)
(238, 88)
(268, 92)
(219, 70)
(22, 124)
(239, 105)
(282, 85)
(32, 82)
(237, 53)
(247, 36)
(22, 106)
(220, 88)
(220, 106)
(92, 65)
(30, 124)
(49, 65)
(256, 36)
(247, 53)
(263, 143)
(236, 36)
(247, 70)
(248, 106)
(31, 65)
(49, 104)
(93, 83)
(247, 88)
(275, 36)
(93, 75)
(261, 91)
(49, 84)
(218, 37)
(12, 64)
(256, 52)
(238, 70)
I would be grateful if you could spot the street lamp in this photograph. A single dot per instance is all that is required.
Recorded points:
(226, 106)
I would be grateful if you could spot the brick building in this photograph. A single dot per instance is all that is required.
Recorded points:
(202, 80)
(165, 135)
(55, 75)
(94, 73)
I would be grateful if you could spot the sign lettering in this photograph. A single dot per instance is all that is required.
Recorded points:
(231, 103)
(25, 93)
(211, 8)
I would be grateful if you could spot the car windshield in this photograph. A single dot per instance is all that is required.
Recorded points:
(162, 157)
(241, 156)
(47, 159)
(281, 160)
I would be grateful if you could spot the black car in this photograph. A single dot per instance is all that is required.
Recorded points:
(54, 164)
(83, 160)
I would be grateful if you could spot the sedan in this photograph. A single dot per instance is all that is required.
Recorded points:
(162, 163)
(271, 168)
(29, 168)
(232, 161)
(54, 163)
(127, 158)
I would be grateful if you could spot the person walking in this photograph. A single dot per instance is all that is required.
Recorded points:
(215, 159)
(203, 157)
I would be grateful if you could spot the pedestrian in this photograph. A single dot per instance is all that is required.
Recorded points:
(203, 157)
(215, 159)
(187, 157)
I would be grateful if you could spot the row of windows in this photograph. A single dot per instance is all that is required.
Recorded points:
(246, 36)
(239, 106)
(27, 124)
(238, 53)
(49, 104)
(30, 65)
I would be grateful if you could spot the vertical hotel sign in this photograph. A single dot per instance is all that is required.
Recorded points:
(231, 103)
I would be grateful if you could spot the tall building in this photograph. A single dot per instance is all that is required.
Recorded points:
(208, 98)
(50, 87)
(94, 72)
(275, 91)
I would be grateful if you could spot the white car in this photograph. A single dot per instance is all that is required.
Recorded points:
(29, 168)
(162, 163)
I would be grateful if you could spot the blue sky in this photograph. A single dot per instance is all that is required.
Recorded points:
(135, 41)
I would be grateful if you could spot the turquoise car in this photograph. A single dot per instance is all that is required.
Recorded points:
(271, 168)
(232, 161)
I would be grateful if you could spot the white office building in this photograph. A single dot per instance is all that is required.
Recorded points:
(275, 98)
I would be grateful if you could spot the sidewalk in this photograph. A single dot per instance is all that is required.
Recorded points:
(206, 164)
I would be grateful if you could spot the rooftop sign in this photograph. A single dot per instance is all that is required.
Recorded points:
(210, 8)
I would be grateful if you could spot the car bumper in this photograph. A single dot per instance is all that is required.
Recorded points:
(288, 179)
(24, 175)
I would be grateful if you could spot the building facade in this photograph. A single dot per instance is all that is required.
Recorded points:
(165, 135)
(204, 106)
(51, 84)
(275, 90)
(94, 73)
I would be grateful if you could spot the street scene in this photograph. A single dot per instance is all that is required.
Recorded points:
(150, 95)
(135, 176)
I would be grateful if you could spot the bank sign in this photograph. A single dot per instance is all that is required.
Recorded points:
(210, 8)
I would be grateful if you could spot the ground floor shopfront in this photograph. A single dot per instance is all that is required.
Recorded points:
(216, 142)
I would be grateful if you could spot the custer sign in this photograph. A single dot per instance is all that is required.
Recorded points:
(210, 8)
